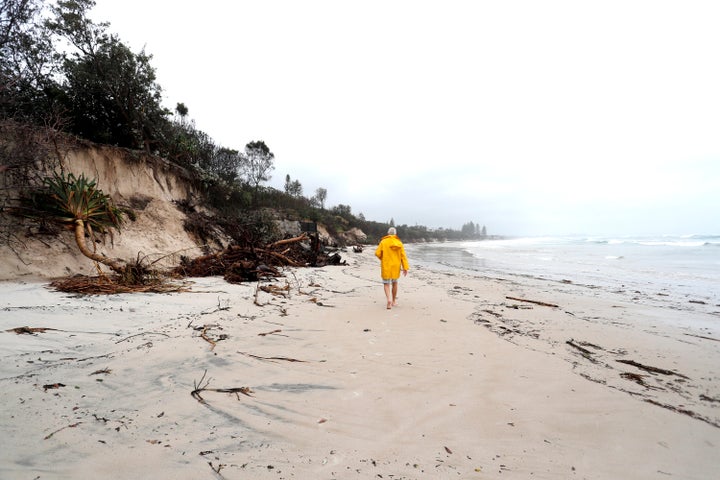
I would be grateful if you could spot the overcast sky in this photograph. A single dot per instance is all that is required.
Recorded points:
(528, 117)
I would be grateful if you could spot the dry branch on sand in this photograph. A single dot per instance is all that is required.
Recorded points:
(272, 359)
(651, 369)
(277, 330)
(684, 411)
(49, 435)
(584, 351)
(102, 285)
(142, 333)
(200, 387)
(544, 304)
(30, 330)
(203, 329)
(639, 379)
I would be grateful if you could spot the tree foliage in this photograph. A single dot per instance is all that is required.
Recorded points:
(320, 197)
(293, 187)
(226, 162)
(61, 70)
(78, 203)
(257, 164)
(110, 92)
(473, 230)
(27, 63)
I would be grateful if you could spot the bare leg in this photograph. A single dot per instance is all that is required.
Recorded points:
(388, 295)
(394, 293)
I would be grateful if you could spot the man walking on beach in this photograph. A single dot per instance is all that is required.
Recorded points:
(391, 253)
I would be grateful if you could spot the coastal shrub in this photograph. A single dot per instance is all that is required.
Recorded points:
(78, 204)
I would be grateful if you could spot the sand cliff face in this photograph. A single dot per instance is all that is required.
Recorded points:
(148, 185)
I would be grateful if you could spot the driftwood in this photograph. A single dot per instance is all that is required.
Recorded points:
(217, 469)
(61, 429)
(701, 336)
(52, 386)
(211, 341)
(250, 263)
(280, 243)
(219, 308)
(648, 368)
(142, 333)
(30, 330)
(102, 285)
(236, 390)
(684, 411)
(532, 301)
(276, 290)
(709, 399)
(272, 359)
(639, 379)
(199, 388)
(270, 333)
(584, 351)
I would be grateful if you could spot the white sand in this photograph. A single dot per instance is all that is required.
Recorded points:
(456, 382)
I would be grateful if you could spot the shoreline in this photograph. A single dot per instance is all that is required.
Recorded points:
(701, 306)
(315, 379)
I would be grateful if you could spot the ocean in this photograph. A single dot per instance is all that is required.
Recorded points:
(680, 272)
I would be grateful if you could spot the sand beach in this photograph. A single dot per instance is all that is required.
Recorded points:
(311, 377)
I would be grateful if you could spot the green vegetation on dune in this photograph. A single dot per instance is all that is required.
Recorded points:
(64, 74)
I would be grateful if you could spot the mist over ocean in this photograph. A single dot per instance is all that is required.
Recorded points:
(680, 271)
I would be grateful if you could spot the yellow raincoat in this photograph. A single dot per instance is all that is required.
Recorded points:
(391, 253)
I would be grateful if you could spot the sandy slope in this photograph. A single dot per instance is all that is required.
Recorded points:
(458, 381)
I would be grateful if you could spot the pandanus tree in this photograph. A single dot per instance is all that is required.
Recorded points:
(79, 204)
